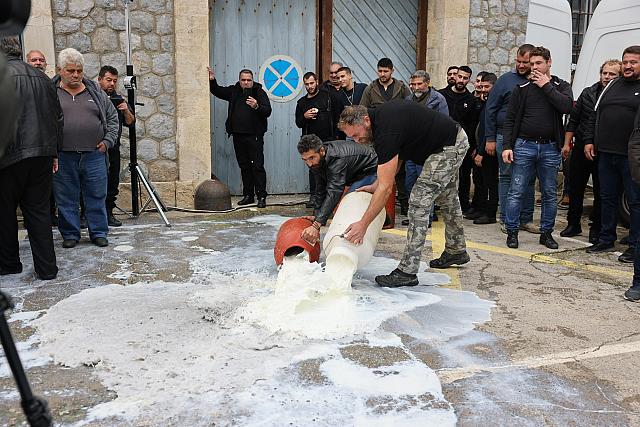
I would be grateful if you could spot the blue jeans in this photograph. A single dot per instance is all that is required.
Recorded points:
(530, 158)
(636, 268)
(86, 171)
(613, 171)
(504, 182)
(367, 180)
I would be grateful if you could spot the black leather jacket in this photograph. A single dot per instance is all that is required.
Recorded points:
(582, 111)
(344, 163)
(38, 129)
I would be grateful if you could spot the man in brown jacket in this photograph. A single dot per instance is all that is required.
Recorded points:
(384, 88)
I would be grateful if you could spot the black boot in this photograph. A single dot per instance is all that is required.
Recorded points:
(113, 221)
(512, 239)
(594, 234)
(262, 202)
(571, 230)
(246, 200)
(547, 239)
(485, 219)
(447, 260)
(396, 279)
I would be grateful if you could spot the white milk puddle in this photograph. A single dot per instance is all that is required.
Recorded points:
(189, 238)
(224, 347)
(123, 248)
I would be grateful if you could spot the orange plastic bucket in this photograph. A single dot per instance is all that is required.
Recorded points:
(289, 242)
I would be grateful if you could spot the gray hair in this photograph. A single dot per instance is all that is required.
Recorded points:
(421, 74)
(352, 115)
(70, 56)
(11, 46)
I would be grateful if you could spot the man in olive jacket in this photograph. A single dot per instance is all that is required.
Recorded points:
(26, 167)
(249, 108)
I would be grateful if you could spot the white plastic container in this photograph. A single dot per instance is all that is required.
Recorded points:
(350, 210)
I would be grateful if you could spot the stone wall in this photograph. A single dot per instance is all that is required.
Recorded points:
(97, 29)
(496, 29)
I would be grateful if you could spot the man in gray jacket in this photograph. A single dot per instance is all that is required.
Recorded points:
(26, 166)
(90, 129)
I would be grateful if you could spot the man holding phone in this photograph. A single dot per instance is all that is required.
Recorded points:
(249, 108)
(108, 79)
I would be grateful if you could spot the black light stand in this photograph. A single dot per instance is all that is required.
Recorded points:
(134, 167)
(35, 408)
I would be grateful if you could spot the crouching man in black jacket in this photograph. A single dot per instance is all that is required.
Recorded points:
(249, 108)
(335, 164)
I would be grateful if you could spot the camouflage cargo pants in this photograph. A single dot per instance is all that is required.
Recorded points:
(437, 183)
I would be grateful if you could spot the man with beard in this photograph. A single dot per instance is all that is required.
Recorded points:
(464, 109)
(36, 59)
(403, 130)
(339, 164)
(496, 111)
(333, 84)
(317, 113)
(249, 109)
(607, 137)
(384, 89)
(108, 79)
(487, 164)
(452, 72)
(579, 167)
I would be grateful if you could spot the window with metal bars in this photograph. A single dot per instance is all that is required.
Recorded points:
(581, 11)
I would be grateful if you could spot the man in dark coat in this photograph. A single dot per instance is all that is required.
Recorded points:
(26, 167)
(249, 108)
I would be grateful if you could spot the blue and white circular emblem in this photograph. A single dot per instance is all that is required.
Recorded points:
(281, 78)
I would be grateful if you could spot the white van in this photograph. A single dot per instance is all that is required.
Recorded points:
(615, 25)
(549, 25)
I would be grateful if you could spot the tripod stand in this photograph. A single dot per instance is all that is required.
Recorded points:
(35, 408)
(134, 168)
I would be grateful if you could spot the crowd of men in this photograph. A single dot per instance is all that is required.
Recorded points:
(428, 145)
(431, 145)
(63, 160)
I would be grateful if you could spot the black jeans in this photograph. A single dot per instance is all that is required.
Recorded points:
(490, 185)
(250, 157)
(579, 170)
(27, 184)
(113, 180)
(464, 186)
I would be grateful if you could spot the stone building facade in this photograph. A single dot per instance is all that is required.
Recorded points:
(170, 51)
(97, 29)
(496, 29)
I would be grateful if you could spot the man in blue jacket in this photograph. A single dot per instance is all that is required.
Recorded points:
(495, 113)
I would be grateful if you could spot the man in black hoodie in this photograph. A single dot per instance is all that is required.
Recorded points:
(464, 109)
(26, 168)
(249, 108)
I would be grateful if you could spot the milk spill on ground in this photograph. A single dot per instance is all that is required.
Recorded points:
(235, 345)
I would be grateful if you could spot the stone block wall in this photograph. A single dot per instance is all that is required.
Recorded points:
(496, 29)
(97, 29)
